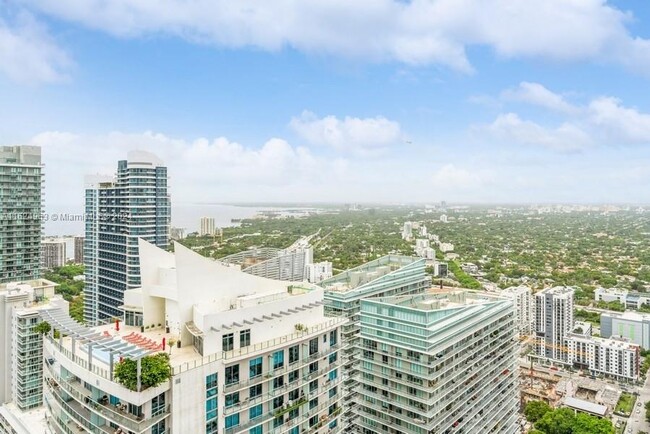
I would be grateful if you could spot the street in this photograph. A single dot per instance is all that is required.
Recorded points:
(637, 421)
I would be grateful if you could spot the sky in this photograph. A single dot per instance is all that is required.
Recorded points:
(482, 101)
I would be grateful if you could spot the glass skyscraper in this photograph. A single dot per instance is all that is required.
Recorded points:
(21, 205)
(133, 204)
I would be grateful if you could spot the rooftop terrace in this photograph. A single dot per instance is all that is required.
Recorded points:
(366, 273)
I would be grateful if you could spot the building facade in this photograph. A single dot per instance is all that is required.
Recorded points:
(383, 277)
(438, 362)
(250, 355)
(290, 264)
(207, 226)
(630, 300)
(21, 355)
(21, 207)
(54, 253)
(78, 250)
(630, 325)
(522, 298)
(553, 321)
(120, 210)
(319, 271)
(616, 358)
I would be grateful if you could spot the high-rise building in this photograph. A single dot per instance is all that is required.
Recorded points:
(207, 226)
(21, 206)
(291, 264)
(177, 233)
(383, 277)
(134, 204)
(250, 355)
(53, 253)
(617, 358)
(21, 346)
(319, 271)
(79, 250)
(407, 231)
(522, 298)
(438, 362)
(553, 321)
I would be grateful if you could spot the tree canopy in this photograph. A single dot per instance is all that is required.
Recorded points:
(154, 370)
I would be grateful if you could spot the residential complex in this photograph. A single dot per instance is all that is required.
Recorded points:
(616, 358)
(207, 226)
(438, 362)
(383, 277)
(250, 355)
(523, 300)
(134, 204)
(290, 264)
(78, 250)
(21, 352)
(54, 253)
(319, 271)
(553, 321)
(21, 208)
(631, 325)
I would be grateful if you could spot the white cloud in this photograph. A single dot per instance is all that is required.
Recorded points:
(365, 135)
(416, 32)
(622, 124)
(510, 127)
(28, 54)
(536, 94)
(451, 176)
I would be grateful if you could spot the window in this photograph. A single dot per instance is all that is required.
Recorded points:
(255, 391)
(228, 342)
(313, 367)
(255, 411)
(333, 391)
(294, 354)
(278, 421)
(232, 399)
(333, 338)
(278, 359)
(325, 338)
(293, 376)
(313, 403)
(232, 374)
(313, 385)
(278, 382)
(294, 394)
(255, 367)
(232, 420)
(294, 430)
(333, 374)
(332, 358)
(211, 409)
(211, 381)
(278, 402)
(313, 346)
(245, 338)
(256, 430)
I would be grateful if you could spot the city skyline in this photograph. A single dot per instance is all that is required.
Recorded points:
(528, 104)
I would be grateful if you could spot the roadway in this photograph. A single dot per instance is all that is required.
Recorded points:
(637, 423)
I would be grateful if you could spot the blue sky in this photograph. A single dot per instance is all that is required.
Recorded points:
(327, 100)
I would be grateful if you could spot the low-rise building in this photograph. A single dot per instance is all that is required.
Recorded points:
(469, 268)
(616, 357)
(631, 300)
(631, 325)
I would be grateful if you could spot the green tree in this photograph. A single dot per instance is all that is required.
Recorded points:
(43, 327)
(535, 410)
(154, 370)
(560, 421)
(586, 424)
